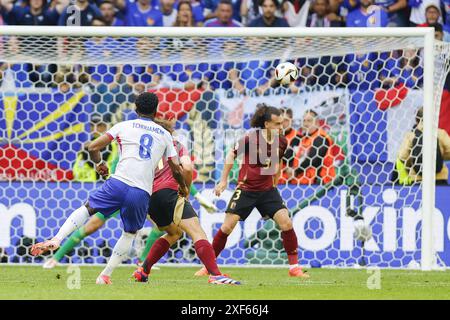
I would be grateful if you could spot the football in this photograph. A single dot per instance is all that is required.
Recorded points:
(362, 231)
(286, 72)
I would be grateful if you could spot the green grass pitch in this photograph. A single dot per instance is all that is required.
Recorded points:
(171, 283)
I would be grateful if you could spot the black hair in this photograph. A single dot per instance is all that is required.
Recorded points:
(288, 111)
(262, 114)
(228, 2)
(106, 1)
(437, 27)
(314, 113)
(275, 2)
(147, 103)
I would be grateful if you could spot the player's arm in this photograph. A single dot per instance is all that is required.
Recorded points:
(174, 164)
(398, 5)
(177, 173)
(229, 162)
(94, 149)
(188, 169)
(277, 175)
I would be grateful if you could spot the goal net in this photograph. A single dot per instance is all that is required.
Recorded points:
(364, 196)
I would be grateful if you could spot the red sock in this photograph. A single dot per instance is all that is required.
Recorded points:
(158, 250)
(290, 245)
(206, 254)
(219, 241)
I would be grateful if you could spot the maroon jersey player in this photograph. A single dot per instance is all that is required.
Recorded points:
(174, 214)
(261, 151)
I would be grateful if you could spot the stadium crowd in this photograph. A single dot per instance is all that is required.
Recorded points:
(113, 87)
(232, 13)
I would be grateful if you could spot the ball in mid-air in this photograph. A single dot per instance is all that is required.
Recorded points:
(286, 73)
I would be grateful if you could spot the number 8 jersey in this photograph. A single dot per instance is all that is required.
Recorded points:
(142, 144)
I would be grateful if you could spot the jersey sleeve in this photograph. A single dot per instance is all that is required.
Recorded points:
(182, 150)
(114, 131)
(170, 148)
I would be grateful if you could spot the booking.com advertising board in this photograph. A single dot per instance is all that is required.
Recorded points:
(325, 233)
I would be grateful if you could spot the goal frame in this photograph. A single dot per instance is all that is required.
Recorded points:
(430, 131)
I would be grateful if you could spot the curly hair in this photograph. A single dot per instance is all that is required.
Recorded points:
(147, 103)
(263, 113)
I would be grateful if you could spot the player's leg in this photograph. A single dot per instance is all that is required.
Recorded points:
(73, 222)
(93, 224)
(239, 208)
(133, 213)
(157, 251)
(106, 199)
(290, 242)
(154, 235)
(271, 205)
(221, 237)
(191, 225)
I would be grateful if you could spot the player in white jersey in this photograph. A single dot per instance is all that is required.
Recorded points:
(143, 143)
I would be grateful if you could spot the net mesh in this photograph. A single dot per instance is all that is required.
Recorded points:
(354, 199)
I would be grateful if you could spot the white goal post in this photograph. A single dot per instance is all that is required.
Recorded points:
(38, 49)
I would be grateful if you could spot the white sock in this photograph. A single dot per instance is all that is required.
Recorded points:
(292, 266)
(73, 222)
(120, 252)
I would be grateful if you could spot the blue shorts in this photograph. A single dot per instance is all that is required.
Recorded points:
(132, 202)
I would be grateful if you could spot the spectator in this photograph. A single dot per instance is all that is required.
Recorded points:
(313, 163)
(446, 5)
(185, 17)
(70, 77)
(367, 15)
(396, 10)
(42, 75)
(84, 168)
(143, 77)
(432, 16)
(438, 31)
(253, 75)
(268, 18)
(98, 22)
(361, 70)
(211, 9)
(250, 10)
(418, 10)
(224, 16)
(168, 11)
(34, 14)
(409, 160)
(323, 17)
(292, 141)
(108, 13)
(88, 12)
(296, 12)
(404, 68)
(142, 14)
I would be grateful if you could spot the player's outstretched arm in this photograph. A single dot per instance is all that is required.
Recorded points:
(94, 149)
(229, 162)
(177, 173)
